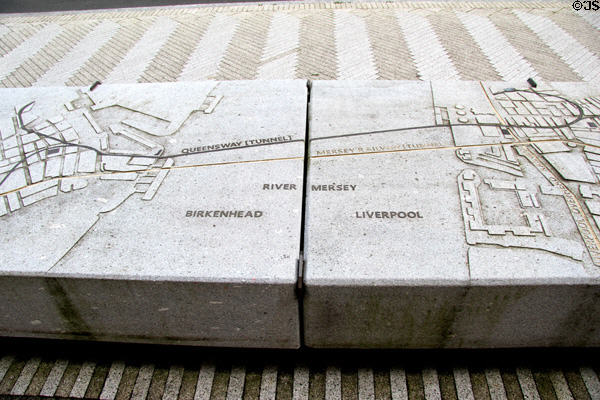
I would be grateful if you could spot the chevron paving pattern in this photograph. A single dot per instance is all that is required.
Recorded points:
(457, 40)
(386, 38)
(485, 41)
(175, 53)
(13, 37)
(353, 48)
(317, 57)
(428, 53)
(507, 61)
(204, 59)
(581, 60)
(535, 52)
(280, 53)
(75, 56)
(108, 57)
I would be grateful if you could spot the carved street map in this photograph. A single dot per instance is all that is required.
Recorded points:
(445, 188)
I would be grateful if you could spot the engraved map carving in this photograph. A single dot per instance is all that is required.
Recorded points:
(497, 171)
(117, 138)
(528, 175)
(509, 191)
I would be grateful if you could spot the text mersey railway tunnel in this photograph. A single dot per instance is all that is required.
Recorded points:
(281, 214)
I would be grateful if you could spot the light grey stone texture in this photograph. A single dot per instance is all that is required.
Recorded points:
(118, 245)
(461, 236)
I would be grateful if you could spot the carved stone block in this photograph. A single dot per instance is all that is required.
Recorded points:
(453, 214)
(152, 212)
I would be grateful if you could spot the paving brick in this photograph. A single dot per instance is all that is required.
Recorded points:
(428, 53)
(392, 57)
(358, 40)
(111, 53)
(468, 59)
(561, 43)
(243, 55)
(548, 65)
(173, 56)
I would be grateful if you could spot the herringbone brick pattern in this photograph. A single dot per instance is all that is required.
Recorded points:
(353, 47)
(247, 44)
(204, 60)
(548, 65)
(317, 52)
(395, 40)
(101, 64)
(39, 63)
(592, 18)
(171, 58)
(22, 51)
(76, 56)
(472, 65)
(505, 58)
(573, 53)
(280, 54)
(387, 39)
(428, 53)
(583, 33)
(13, 38)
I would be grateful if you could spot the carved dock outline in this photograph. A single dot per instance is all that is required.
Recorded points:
(581, 221)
